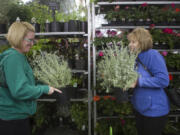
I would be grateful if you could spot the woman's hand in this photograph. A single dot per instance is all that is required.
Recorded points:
(52, 90)
(134, 84)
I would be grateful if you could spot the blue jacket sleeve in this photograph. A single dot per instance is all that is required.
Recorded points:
(157, 66)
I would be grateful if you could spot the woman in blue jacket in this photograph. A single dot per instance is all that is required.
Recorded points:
(149, 99)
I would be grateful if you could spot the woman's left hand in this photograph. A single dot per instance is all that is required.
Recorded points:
(134, 84)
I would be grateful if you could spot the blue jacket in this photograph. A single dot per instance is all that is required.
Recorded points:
(149, 98)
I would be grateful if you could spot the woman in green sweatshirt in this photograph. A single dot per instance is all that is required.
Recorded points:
(18, 91)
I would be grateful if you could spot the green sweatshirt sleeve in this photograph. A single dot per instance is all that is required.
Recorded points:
(20, 80)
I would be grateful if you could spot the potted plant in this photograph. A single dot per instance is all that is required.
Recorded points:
(116, 69)
(73, 22)
(82, 17)
(80, 59)
(51, 69)
(141, 14)
(172, 61)
(19, 10)
(60, 17)
(5, 7)
(41, 13)
(112, 17)
(79, 115)
(161, 39)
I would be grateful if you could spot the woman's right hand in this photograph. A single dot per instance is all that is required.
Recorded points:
(52, 90)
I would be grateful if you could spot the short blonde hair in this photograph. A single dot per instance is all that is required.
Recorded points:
(143, 37)
(17, 31)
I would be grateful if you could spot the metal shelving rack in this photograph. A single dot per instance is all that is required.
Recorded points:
(136, 3)
(132, 27)
(98, 5)
(85, 72)
(52, 34)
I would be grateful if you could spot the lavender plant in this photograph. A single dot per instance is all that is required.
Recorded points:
(51, 69)
(117, 68)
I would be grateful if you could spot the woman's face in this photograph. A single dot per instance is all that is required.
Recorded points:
(27, 42)
(134, 45)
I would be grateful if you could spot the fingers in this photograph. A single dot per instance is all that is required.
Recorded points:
(52, 90)
(57, 90)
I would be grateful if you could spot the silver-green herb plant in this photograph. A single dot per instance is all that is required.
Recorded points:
(51, 69)
(117, 68)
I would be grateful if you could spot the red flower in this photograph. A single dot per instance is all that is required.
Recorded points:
(165, 8)
(107, 97)
(113, 98)
(170, 77)
(177, 10)
(144, 5)
(152, 26)
(96, 98)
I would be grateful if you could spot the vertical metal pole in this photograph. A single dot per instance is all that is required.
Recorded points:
(94, 68)
(89, 68)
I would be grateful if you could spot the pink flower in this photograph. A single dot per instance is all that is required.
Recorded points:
(144, 5)
(173, 5)
(122, 122)
(101, 53)
(178, 34)
(117, 8)
(164, 53)
(113, 33)
(167, 30)
(127, 7)
(99, 34)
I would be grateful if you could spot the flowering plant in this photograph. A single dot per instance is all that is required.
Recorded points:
(172, 61)
(117, 68)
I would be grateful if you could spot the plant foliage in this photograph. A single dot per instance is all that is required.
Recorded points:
(117, 68)
(51, 69)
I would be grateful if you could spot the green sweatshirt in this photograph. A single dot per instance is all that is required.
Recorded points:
(18, 100)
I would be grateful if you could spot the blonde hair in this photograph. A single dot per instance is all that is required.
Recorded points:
(17, 31)
(143, 37)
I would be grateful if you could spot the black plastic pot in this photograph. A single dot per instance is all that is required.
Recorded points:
(157, 45)
(66, 26)
(71, 63)
(73, 25)
(61, 26)
(121, 96)
(55, 27)
(130, 22)
(36, 26)
(67, 94)
(47, 27)
(83, 27)
(3, 28)
(80, 64)
(140, 22)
